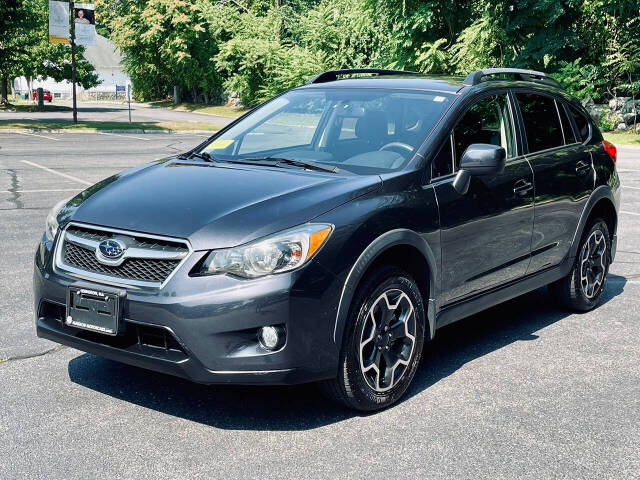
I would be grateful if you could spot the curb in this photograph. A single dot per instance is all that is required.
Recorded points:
(93, 130)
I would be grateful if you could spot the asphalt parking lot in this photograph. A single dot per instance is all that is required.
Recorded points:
(105, 111)
(523, 390)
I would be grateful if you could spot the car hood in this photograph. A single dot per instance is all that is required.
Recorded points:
(213, 205)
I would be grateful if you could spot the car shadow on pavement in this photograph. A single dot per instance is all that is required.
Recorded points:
(513, 321)
(290, 408)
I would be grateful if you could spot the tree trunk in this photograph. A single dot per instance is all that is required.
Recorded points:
(4, 90)
(633, 105)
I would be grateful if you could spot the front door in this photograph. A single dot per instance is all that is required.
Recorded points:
(486, 233)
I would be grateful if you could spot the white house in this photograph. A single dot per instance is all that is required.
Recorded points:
(105, 58)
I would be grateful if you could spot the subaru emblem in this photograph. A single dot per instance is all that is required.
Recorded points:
(111, 249)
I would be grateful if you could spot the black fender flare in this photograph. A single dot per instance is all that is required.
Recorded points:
(602, 191)
(367, 257)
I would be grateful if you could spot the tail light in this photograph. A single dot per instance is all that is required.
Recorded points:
(610, 148)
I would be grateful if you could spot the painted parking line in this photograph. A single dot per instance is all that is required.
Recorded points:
(125, 136)
(43, 191)
(624, 170)
(633, 188)
(70, 177)
(37, 135)
(630, 213)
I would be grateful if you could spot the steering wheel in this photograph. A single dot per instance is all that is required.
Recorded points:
(397, 146)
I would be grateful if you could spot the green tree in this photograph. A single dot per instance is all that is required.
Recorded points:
(256, 48)
(262, 59)
(25, 48)
(15, 41)
(166, 43)
(421, 33)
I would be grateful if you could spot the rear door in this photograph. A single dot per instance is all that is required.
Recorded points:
(563, 175)
(486, 233)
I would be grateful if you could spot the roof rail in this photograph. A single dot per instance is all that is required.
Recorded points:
(474, 78)
(332, 75)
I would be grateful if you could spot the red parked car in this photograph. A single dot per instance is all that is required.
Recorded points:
(46, 95)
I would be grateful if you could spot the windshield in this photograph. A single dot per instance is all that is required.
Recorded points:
(361, 130)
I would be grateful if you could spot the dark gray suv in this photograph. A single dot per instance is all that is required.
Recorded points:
(327, 234)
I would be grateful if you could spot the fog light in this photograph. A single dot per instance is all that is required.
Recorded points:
(271, 337)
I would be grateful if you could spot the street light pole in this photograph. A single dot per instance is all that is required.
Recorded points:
(73, 60)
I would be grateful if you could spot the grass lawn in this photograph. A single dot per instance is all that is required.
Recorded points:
(220, 110)
(68, 125)
(623, 138)
(29, 107)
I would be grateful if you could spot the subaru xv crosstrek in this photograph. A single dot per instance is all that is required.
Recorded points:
(326, 235)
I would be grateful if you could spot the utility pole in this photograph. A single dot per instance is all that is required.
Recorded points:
(73, 60)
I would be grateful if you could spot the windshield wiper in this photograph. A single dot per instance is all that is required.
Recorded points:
(288, 161)
(206, 156)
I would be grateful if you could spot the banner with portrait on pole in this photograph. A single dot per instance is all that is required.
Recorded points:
(85, 23)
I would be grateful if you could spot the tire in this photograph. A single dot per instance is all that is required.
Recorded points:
(582, 288)
(395, 300)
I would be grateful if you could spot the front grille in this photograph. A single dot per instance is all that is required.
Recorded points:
(148, 260)
(138, 241)
(131, 268)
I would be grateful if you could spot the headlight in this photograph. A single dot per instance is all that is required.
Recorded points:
(51, 227)
(278, 253)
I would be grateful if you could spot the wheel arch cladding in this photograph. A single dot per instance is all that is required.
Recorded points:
(601, 204)
(403, 248)
(604, 209)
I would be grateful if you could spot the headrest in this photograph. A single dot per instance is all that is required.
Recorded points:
(372, 127)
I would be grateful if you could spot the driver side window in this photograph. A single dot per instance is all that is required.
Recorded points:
(488, 121)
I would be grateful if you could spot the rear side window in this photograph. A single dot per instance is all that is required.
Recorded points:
(541, 122)
(581, 122)
(569, 137)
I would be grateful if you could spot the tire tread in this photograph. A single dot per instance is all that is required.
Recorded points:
(567, 291)
(339, 389)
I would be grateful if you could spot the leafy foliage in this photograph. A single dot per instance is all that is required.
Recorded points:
(25, 48)
(257, 48)
(581, 80)
(166, 43)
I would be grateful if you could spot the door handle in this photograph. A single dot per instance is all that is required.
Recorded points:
(582, 168)
(522, 187)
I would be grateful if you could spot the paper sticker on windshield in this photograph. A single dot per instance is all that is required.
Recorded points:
(219, 144)
(439, 99)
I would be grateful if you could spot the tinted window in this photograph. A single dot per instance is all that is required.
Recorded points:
(569, 137)
(488, 121)
(581, 123)
(443, 162)
(541, 122)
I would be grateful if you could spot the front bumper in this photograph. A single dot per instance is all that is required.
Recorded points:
(204, 328)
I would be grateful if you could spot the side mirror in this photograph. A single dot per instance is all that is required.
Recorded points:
(479, 159)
